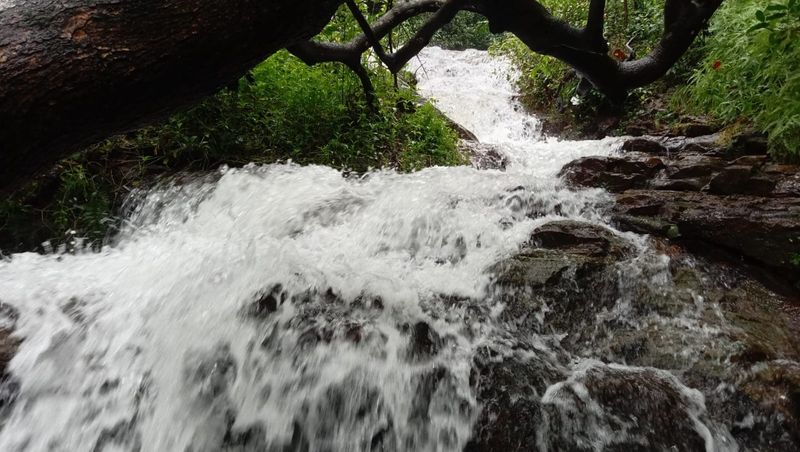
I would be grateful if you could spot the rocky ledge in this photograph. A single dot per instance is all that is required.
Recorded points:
(732, 200)
(683, 350)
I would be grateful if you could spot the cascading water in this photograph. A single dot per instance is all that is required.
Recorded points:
(293, 308)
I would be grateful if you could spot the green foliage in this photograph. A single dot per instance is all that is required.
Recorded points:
(282, 111)
(81, 202)
(752, 71)
(796, 260)
(466, 31)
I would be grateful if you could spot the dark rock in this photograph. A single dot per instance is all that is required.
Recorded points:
(789, 187)
(9, 344)
(567, 265)
(210, 374)
(645, 146)
(776, 387)
(355, 407)
(531, 399)
(739, 179)
(484, 156)
(781, 169)
(695, 129)
(690, 184)
(612, 173)
(266, 302)
(748, 144)
(580, 238)
(250, 439)
(424, 342)
(763, 229)
(755, 161)
(693, 166)
(556, 247)
(696, 148)
(637, 409)
(509, 390)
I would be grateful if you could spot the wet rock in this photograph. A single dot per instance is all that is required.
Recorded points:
(695, 128)
(631, 409)
(692, 147)
(210, 374)
(763, 229)
(611, 173)
(753, 161)
(556, 247)
(484, 156)
(748, 144)
(8, 343)
(509, 389)
(349, 415)
(424, 342)
(645, 146)
(266, 302)
(689, 184)
(249, 439)
(708, 323)
(776, 388)
(580, 238)
(738, 179)
(694, 166)
(562, 278)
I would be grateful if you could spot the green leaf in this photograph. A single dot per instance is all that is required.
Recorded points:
(760, 16)
(775, 16)
(776, 8)
(757, 27)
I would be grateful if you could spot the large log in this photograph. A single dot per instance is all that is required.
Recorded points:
(73, 72)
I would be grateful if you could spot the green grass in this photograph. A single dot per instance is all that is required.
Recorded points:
(751, 71)
(283, 111)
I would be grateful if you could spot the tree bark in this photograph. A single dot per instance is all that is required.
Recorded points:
(76, 71)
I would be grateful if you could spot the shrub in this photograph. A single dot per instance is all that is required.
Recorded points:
(283, 110)
(752, 71)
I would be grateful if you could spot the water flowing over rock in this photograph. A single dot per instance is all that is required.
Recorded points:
(288, 308)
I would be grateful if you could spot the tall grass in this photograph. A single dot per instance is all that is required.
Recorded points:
(751, 72)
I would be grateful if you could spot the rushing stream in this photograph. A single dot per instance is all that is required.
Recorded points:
(293, 308)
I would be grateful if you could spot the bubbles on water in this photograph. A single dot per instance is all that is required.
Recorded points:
(282, 307)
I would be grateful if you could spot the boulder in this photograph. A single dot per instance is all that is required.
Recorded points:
(611, 173)
(740, 179)
(766, 230)
(631, 409)
(693, 165)
(561, 278)
(645, 146)
(748, 144)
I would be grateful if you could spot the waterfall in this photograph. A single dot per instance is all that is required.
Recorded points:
(286, 307)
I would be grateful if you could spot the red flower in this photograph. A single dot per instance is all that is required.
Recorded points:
(716, 65)
(619, 54)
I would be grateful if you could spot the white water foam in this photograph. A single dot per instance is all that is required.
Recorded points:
(145, 345)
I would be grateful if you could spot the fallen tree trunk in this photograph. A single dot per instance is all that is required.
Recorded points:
(77, 71)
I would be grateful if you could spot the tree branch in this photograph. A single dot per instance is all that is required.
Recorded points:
(595, 23)
(585, 49)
